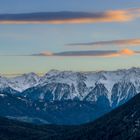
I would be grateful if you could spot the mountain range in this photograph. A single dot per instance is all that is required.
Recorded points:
(66, 97)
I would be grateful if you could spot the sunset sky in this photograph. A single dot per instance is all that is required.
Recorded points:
(80, 35)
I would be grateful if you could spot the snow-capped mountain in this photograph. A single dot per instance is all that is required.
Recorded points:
(19, 83)
(57, 91)
(24, 82)
(116, 86)
(65, 85)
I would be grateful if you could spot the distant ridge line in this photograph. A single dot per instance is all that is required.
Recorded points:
(43, 73)
(18, 74)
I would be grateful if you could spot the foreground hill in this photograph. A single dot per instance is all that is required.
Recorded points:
(15, 130)
(122, 123)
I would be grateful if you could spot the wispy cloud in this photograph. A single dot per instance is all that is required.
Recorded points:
(126, 42)
(95, 53)
(69, 17)
(78, 53)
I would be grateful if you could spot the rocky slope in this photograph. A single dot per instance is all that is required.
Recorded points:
(122, 123)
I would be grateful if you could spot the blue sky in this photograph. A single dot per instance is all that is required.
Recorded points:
(14, 6)
(19, 42)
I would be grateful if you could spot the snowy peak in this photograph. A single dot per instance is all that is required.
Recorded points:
(115, 86)
(20, 83)
(24, 81)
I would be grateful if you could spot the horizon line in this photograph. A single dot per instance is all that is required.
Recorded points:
(41, 74)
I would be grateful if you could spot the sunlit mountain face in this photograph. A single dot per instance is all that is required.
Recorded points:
(69, 63)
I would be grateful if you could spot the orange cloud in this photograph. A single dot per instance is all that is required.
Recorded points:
(92, 53)
(46, 53)
(127, 42)
(71, 17)
(126, 52)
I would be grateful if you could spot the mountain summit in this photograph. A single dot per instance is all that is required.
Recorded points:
(67, 95)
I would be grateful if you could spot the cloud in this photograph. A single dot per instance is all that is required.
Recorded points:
(46, 53)
(124, 52)
(77, 53)
(127, 42)
(127, 52)
(69, 17)
(97, 53)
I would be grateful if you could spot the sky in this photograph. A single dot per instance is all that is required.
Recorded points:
(79, 35)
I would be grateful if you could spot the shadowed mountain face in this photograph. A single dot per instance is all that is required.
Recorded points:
(66, 97)
(122, 123)
(64, 112)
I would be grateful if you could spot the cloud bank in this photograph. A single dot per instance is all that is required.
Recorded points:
(96, 53)
(69, 17)
(127, 42)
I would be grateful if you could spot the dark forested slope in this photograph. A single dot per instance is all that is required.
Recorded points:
(120, 124)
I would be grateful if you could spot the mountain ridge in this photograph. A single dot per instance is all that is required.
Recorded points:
(59, 91)
(89, 80)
